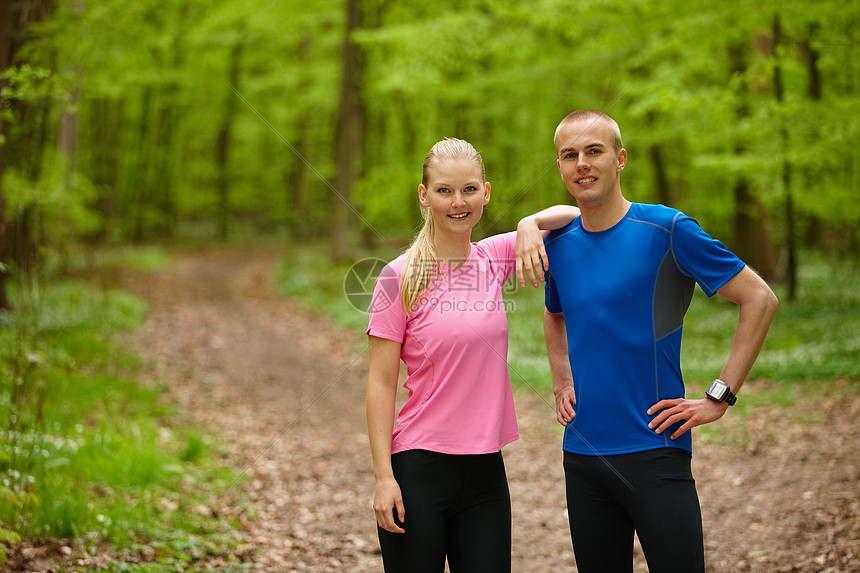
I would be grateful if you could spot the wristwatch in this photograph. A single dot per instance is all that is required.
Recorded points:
(719, 391)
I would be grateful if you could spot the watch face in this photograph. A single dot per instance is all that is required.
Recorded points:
(717, 389)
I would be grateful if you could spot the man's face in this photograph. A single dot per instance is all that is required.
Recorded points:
(588, 163)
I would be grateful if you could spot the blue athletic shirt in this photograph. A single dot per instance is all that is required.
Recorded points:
(634, 283)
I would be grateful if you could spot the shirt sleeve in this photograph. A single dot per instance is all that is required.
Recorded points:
(551, 299)
(500, 246)
(387, 317)
(702, 257)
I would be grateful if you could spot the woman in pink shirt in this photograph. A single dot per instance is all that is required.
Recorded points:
(441, 488)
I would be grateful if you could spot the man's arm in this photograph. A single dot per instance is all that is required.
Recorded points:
(559, 363)
(757, 308)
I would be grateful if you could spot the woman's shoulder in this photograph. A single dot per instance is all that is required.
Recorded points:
(394, 266)
(494, 245)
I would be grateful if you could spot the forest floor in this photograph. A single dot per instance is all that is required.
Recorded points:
(284, 389)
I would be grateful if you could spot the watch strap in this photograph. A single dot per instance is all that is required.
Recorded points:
(728, 397)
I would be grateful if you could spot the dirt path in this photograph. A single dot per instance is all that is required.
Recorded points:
(285, 389)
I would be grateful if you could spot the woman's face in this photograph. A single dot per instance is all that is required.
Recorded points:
(455, 195)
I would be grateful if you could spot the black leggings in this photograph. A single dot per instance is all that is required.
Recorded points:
(456, 505)
(651, 492)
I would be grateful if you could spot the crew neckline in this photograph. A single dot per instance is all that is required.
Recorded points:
(610, 230)
(463, 264)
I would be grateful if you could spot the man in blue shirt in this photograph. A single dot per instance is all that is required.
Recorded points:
(621, 277)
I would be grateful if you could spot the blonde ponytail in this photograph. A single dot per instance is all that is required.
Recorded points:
(421, 265)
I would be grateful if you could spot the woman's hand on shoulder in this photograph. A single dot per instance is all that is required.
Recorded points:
(531, 230)
(530, 252)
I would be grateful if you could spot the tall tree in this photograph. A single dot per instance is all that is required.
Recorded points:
(5, 60)
(168, 120)
(222, 149)
(349, 136)
(752, 238)
(811, 58)
(32, 110)
(778, 91)
(296, 171)
(68, 127)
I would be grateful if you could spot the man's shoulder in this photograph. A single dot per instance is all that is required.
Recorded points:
(568, 231)
(654, 213)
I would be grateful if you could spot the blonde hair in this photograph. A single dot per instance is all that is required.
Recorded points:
(421, 264)
(594, 115)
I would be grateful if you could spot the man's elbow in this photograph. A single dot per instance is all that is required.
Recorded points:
(773, 302)
(768, 302)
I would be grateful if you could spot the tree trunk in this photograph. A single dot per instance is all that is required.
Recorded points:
(296, 171)
(744, 221)
(171, 119)
(297, 184)
(67, 137)
(790, 240)
(31, 138)
(222, 148)
(105, 126)
(349, 138)
(164, 200)
(815, 226)
(661, 180)
(168, 120)
(743, 246)
(753, 241)
(5, 60)
(67, 129)
(136, 201)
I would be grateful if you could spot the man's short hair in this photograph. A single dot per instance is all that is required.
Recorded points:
(594, 115)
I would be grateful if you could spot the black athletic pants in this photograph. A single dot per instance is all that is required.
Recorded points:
(651, 492)
(457, 506)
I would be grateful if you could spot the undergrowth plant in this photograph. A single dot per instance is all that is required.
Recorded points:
(88, 453)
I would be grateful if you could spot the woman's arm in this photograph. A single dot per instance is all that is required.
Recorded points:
(531, 255)
(381, 396)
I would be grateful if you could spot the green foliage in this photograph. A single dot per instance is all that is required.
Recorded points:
(148, 84)
(28, 83)
(86, 451)
(195, 447)
(65, 204)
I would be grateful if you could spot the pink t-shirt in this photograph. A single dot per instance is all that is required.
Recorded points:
(455, 347)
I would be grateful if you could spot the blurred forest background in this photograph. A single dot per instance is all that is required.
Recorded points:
(152, 121)
(141, 127)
